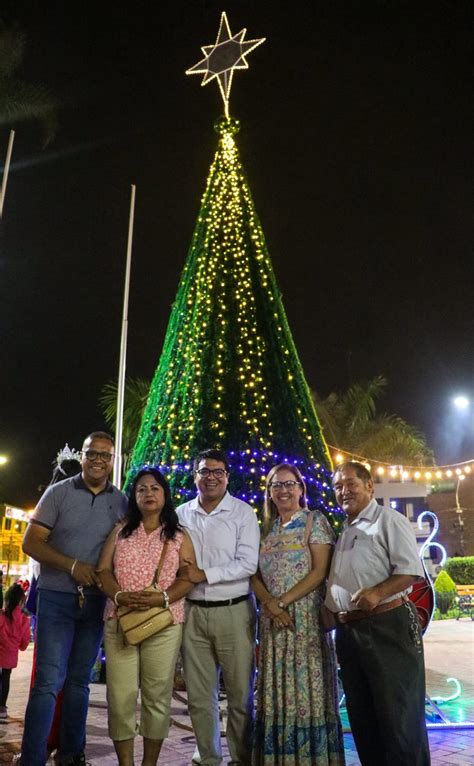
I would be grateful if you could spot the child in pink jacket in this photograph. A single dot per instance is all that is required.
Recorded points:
(14, 635)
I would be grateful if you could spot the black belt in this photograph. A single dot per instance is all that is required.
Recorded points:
(207, 604)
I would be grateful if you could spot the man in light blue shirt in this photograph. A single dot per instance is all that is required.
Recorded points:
(219, 632)
(378, 639)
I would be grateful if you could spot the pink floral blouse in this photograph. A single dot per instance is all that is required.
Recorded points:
(135, 561)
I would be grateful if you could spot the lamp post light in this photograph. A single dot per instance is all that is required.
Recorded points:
(3, 459)
(461, 402)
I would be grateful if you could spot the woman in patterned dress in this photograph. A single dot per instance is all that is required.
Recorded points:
(127, 566)
(298, 722)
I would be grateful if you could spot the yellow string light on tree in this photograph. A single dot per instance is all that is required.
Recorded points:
(229, 373)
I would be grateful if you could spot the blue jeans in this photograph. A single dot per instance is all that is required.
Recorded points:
(67, 643)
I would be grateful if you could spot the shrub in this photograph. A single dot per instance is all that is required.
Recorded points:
(445, 590)
(451, 614)
(461, 569)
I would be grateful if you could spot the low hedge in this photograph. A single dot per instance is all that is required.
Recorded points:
(461, 569)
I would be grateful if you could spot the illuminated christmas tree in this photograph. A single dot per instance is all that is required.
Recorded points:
(229, 374)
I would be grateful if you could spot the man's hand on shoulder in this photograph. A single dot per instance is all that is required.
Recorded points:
(191, 572)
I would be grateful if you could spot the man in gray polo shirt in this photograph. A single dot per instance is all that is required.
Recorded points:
(70, 524)
(378, 639)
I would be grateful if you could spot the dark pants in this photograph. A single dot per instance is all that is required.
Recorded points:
(383, 675)
(5, 680)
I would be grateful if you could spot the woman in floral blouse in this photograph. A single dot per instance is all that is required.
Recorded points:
(127, 566)
(297, 707)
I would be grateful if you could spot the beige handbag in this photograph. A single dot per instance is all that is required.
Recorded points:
(136, 624)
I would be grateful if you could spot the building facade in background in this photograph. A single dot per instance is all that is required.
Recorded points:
(14, 563)
(452, 503)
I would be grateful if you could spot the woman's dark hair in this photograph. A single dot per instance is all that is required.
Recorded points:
(168, 516)
(65, 470)
(14, 596)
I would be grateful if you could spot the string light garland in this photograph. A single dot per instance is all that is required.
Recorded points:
(229, 375)
(386, 471)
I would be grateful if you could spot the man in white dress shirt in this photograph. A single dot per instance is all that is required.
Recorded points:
(219, 632)
(378, 639)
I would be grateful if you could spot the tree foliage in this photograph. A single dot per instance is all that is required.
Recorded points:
(350, 422)
(461, 569)
(135, 399)
(21, 100)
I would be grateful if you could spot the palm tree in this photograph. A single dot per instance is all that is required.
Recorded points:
(20, 100)
(350, 423)
(135, 398)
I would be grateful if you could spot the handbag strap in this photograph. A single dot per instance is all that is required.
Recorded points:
(308, 528)
(160, 563)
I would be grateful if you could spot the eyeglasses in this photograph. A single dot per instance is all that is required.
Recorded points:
(92, 454)
(204, 473)
(290, 484)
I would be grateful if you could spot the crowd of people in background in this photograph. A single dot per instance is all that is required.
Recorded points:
(216, 574)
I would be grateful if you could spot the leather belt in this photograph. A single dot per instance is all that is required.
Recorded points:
(208, 604)
(359, 614)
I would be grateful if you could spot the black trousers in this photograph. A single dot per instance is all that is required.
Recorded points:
(5, 684)
(383, 674)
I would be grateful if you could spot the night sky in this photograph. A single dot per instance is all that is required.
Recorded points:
(357, 140)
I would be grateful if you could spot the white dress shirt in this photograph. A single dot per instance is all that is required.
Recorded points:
(226, 542)
(378, 543)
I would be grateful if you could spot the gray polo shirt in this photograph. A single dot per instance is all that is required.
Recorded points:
(377, 544)
(80, 523)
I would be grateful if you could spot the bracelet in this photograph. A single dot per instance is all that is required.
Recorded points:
(72, 568)
(116, 597)
(166, 600)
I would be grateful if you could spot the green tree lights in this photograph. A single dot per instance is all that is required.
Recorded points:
(229, 374)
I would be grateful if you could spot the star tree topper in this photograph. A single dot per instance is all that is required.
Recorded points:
(221, 59)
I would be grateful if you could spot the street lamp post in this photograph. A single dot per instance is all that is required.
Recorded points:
(459, 511)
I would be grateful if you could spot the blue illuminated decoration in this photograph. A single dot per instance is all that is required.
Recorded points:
(429, 540)
(248, 469)
(453, 696)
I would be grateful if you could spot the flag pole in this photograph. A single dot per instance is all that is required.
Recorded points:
(117, 474)
(5, 171)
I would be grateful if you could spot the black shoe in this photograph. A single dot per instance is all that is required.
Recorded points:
(74, 760)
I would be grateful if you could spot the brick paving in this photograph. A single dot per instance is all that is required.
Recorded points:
(449, 647)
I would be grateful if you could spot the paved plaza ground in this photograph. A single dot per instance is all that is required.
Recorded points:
(449, 650)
